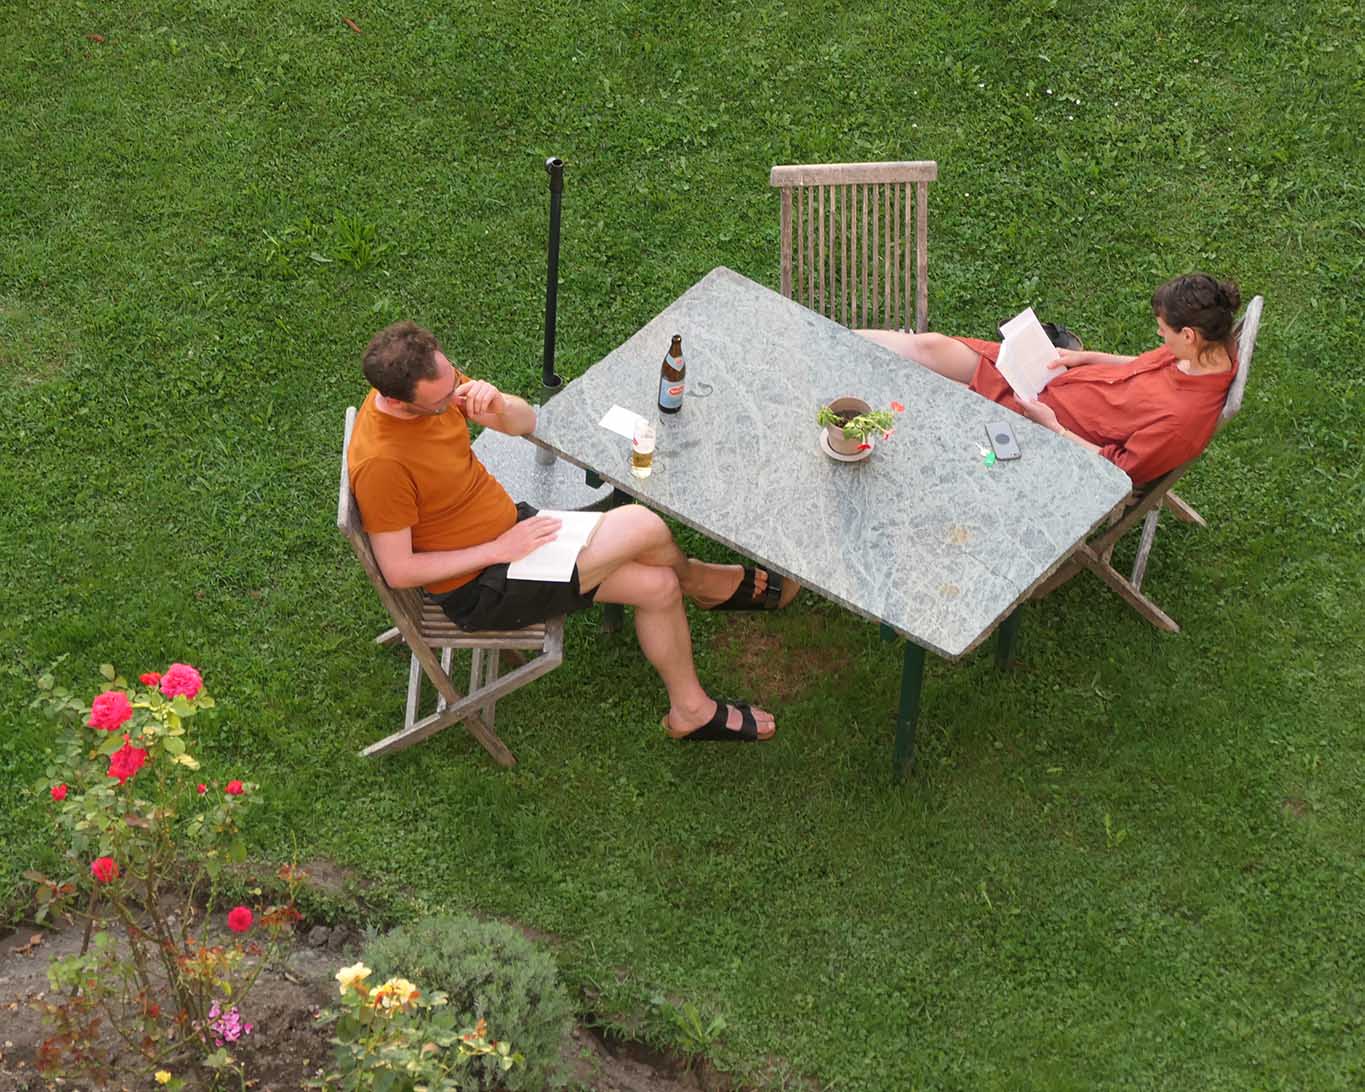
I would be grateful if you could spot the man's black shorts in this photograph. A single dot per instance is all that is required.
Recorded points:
(492, 601)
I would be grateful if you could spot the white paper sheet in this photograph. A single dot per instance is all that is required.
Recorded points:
(555, 560)
(1027, 356)
(621, 421)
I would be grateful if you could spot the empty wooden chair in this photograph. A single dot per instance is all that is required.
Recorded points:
(855, 241)
(1145, 504)
(420, 623)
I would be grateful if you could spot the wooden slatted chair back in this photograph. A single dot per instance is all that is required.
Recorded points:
(855, 241)
(406, 602)
(1247, 328)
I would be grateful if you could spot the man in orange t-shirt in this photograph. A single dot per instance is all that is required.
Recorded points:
(438, 519)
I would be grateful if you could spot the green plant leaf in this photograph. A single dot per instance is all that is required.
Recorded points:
(173, 745)
(107, 670)
(219, 1059)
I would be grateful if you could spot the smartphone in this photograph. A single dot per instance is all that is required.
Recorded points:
(1003, 442)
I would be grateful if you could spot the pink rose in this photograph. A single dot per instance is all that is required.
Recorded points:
(181, 679)
(104, 869)
(126, 761)
(151, 678)
(239, 919)
(58, 792)
(109, 710)
(234, 788)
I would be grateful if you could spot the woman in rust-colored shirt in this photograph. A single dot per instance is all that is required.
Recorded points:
(1147, 414)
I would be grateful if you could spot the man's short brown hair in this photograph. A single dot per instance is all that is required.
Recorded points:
(397, 357)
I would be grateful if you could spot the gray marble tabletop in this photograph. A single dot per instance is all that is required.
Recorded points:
(921, 536)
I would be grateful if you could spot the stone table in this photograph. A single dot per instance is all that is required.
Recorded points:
(921, 537)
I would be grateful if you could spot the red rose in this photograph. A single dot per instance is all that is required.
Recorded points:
(181, 679)
(151, 678)
(234, 788)
(104, 869)
(126, 761)
(201, 789)
(239, 919)
(58, 792)
(109, 710)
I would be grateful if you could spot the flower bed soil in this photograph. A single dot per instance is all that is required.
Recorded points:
(288, 1044)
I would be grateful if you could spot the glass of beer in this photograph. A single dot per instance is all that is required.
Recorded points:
(642, 449)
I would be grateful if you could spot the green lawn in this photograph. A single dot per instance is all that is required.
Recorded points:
(1136, 862)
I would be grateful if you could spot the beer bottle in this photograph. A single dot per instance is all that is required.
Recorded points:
(672, 378)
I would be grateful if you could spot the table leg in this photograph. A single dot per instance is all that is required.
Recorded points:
(912, 680)
(1005, 640)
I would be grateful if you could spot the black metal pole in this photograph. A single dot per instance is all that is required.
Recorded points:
(549, 381)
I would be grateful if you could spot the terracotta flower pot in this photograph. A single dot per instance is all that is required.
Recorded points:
(849, 407)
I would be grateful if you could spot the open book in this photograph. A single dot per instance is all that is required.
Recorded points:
(1027, 356)
(555, 560)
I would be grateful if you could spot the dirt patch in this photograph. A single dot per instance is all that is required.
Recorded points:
(288, 1044)
(778, 657)
(1295, 807)
(331, 878)
(33, 349)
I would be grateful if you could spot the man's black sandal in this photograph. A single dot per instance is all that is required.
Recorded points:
(745, 596)
(715, 729)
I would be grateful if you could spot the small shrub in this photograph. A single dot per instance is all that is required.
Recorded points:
(488, 971)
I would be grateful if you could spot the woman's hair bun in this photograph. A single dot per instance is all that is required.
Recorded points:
(1200, 301)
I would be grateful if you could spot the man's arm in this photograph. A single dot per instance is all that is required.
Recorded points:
(485, 405)
(402, 568)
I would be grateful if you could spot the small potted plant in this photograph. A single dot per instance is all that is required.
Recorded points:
(851, 424)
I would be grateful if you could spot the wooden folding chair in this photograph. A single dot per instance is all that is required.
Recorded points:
(1146, 503)
(855, 240)
(422, 625)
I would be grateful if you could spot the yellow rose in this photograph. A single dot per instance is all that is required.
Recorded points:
(353, 977)
(396, 993)
(162, 1076)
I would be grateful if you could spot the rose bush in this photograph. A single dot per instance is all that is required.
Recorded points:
(145, 844)
(390, 1038)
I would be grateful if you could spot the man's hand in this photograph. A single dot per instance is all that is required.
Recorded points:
(1041, 413)
(528, 535)
(478, 397)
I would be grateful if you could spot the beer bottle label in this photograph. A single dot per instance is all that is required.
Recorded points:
(670, 392)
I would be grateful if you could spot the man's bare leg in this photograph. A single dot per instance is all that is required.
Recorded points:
(937, 352)
(661, 628)
(634, 533)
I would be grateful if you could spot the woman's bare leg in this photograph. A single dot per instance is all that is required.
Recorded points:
(937, 352)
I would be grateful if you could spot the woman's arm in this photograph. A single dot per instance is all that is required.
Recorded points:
(1074, 358)
(1044, 415)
